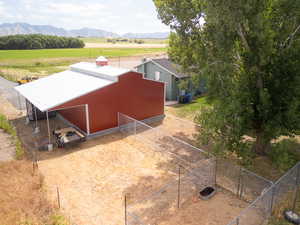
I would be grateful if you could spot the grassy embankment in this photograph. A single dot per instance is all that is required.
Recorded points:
(22, 196)
(7, 127)
(18, 63)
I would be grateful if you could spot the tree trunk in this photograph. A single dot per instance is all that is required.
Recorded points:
(262, 144)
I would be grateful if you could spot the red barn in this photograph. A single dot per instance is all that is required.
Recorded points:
(90, 95)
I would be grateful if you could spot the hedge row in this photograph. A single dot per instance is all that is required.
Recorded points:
(38, 41)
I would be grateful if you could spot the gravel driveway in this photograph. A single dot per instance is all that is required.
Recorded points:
(8, 92)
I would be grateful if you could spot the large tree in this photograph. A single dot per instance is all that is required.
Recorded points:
(249, 52)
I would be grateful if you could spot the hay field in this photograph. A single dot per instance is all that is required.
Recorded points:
(15, 64)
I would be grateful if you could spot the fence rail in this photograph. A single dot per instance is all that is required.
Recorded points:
(281, 195)
(199, 169)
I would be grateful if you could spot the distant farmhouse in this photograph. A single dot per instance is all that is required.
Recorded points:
(164, 70)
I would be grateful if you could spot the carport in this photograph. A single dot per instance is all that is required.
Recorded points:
(46, 96)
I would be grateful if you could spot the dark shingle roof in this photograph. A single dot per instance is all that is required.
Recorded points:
(172, 67)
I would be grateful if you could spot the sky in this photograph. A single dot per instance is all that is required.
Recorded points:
(120, 16)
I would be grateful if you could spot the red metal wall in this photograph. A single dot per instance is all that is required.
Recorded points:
(132, 95)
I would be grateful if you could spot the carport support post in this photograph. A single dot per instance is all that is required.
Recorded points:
(20, 105)
(36, 129)
(50, 147)
(296, 189)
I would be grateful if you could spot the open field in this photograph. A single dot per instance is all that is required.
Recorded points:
(15, 64)
(13, 56)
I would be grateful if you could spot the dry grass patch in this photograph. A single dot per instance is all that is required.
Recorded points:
(22, 199)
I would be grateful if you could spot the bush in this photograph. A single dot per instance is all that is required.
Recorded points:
(284, 154)
(38, 41)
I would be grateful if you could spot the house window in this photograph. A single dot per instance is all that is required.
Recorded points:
(157, 75)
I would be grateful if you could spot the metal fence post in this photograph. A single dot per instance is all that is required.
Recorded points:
(272, 199)
(216, 168)
(239, 183)
(296, 189)
(134, 127)
(178, 194)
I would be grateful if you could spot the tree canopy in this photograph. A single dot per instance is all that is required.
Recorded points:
(38, 41)
(249, 52)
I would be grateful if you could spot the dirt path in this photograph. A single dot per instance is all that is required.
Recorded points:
(109, 45)
(7, 148)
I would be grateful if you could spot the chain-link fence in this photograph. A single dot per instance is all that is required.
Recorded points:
(198, 170)
(240, 181)
(282, 195)
(160, 205)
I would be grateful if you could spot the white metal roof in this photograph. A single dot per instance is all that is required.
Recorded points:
(59, 88)
(106, 72)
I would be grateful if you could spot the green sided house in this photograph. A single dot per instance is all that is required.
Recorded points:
(162, 69)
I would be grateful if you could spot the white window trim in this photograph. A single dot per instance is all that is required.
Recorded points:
(157, 75)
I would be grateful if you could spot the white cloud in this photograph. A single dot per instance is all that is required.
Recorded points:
(2, 9)
(76, 9)
(113, 15)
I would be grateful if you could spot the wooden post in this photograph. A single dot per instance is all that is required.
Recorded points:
(178, 194)
(58, 197)
(33, 168)
(125, 209)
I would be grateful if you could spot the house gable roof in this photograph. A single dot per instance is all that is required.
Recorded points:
(168, 66)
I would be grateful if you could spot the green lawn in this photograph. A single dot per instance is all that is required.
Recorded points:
(189, 110)
(7, 55)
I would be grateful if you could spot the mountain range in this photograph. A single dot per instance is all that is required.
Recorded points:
(25, 28)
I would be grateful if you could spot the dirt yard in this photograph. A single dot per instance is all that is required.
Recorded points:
(94, 177)
(223, 207)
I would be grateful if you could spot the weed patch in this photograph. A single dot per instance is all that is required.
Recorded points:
(7, 127)
(285, 154)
